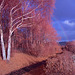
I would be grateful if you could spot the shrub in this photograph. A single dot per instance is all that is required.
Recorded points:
(70, 46)
(44, 49)
(60, 65)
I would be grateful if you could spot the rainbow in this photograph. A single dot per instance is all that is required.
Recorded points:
(62, 29)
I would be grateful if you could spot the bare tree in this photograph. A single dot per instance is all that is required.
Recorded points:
(18, 22)
(1, 32)
(23, 15)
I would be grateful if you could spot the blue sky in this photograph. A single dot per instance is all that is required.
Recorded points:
(64, 19)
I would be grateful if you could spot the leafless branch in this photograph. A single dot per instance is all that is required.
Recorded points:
(16, 10)
(16, 23)
(33, 9)
(14, 7)
(25, 25)
(15, 28)
(27, 5)
(4, 7)
(20, 17)
(2, 3)
(21, 25)
(27, 13)
(22, 20)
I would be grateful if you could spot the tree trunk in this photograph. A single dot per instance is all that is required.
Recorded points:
(3, 47)
(9, 47)
(1, 32)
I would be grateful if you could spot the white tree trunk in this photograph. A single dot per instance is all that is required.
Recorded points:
(1, 32)
(9, 47)
(3, 47)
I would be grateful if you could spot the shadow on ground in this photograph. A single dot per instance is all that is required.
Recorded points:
(30, 68)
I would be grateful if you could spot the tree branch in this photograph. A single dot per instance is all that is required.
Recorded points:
(27, 25)
(2, 3)
(22, 20)
(16, 23)
(27, 5)
(15, 28)
(27, 13)
(14, 7)
(16, 10)
(20, 17)
(20, 25)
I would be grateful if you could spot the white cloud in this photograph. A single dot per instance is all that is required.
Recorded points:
(69, 23)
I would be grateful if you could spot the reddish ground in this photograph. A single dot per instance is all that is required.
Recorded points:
(17, 61)
(21, 60)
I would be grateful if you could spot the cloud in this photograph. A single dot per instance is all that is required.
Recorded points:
(64, 19)
(65, 29)
(67, 22)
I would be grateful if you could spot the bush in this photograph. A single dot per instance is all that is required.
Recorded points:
(60, 65)
(70, 46)
(44, 49)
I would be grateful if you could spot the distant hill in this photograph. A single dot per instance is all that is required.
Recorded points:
(62, 43)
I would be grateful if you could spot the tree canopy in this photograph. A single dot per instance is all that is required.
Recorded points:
(27, 23)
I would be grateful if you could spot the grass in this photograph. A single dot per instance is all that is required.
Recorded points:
(17, 61)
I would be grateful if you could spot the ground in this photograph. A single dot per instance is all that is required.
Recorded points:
(17, 61)
(62, 64)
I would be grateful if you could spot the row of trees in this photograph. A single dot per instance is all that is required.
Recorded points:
(25, 21)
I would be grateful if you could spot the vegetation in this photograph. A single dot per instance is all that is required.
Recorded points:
(60, 65)
(26, 24)
(70, 46)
